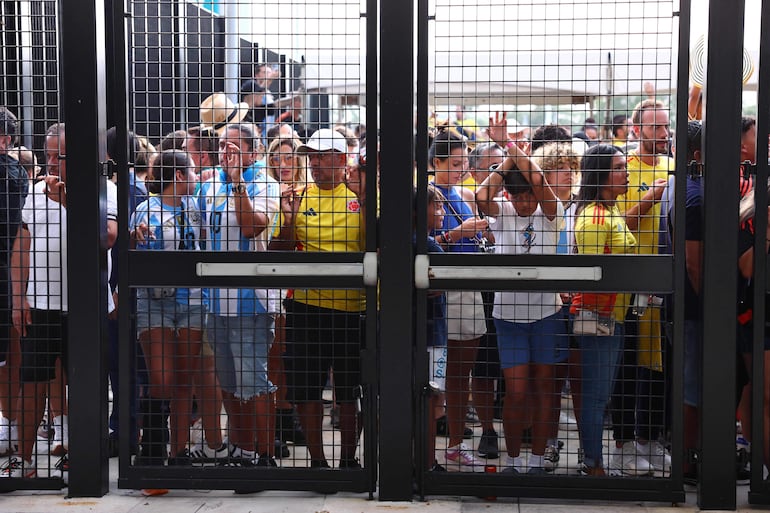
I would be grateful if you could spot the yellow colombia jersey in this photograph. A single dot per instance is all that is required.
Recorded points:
(641, 176)
(468, 182)
(330, 220)
(602, 230)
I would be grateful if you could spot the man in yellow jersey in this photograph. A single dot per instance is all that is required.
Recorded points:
(324, 327)
(638, 400)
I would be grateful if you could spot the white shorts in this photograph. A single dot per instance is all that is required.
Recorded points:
(437, 356)
(465, 315)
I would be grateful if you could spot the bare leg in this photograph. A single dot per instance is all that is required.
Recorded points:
(311, 418)
(461, 356)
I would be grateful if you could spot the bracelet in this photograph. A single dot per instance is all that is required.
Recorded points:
(447, 238)
(509, 145)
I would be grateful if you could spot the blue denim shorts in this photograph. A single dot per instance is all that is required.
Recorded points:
(544, 341)
(166, 313)
(240, 348)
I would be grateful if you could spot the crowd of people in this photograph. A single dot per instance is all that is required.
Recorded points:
(250, 365)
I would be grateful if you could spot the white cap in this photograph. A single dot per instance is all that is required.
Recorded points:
(325, 139)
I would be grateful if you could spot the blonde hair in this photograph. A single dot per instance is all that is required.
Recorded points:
(553, 155)
(300, 168)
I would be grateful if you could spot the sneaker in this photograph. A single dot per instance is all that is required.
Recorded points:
(551, 458)
(510, 470)
(656, 454)
(5, 437)
(60, 444)
(18, 468)
(61, 469)
(567, 421)
(471, 417)
(349, 463)
(488, 445)
(461, 458)
(628, 460)
(181, 459)
(537, 471)
(266, 461)
(204, 453)
(239, 457)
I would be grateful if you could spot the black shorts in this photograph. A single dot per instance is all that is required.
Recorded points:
(487, 357)
(319, 339)
(46, 341)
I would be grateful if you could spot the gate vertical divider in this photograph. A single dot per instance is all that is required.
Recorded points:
(118, 103)
(396, 255)
(721, 131)
(372, 342)
(83, 80)
(759, 493)
(677, 347)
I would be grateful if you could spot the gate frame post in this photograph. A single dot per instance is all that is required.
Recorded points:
(721, 130)
(396, 254)
(83, 96)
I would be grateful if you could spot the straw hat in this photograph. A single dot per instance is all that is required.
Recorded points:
(217, 111)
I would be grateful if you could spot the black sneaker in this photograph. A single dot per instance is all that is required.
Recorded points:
(349, 463)
(442, 429)
(266, 461)
(319, 464)
(488, 445)
(182, 459)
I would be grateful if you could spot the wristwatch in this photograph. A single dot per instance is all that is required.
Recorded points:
(240, 188)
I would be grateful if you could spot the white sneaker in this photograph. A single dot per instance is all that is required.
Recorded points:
(551, 458)
(5, 437)
(18, 468)
(629, 461)
(205, 454)
(656, 454)
(61, 436)
(460, 457)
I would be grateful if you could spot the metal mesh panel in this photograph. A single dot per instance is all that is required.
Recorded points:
(571, 102)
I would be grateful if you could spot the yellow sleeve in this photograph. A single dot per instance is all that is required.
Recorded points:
(592, 230)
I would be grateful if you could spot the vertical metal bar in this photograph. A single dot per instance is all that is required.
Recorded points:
(758, 484)
(118, 101)
(677, 383)
(397, 269)
(369, 364)
(722, 129)
(83, 79)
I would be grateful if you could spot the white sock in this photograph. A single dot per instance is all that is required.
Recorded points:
(516, 462)
(535, 460)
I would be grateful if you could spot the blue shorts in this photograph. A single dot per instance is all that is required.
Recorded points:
(166, 313)
(544, 341)
(240, 348)
(693, 344)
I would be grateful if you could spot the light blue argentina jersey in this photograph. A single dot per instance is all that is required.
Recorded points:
(217, 204)
(172, 229)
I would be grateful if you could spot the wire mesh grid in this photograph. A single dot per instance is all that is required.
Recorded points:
(258, 110)
(550, 133)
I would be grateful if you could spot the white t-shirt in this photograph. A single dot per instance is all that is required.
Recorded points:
(112, 215)
(530, 235)
(46, 221)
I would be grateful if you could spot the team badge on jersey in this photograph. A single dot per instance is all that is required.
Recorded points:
(354, 206)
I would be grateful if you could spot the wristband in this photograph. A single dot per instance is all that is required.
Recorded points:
(447, 238)
(509, 145)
